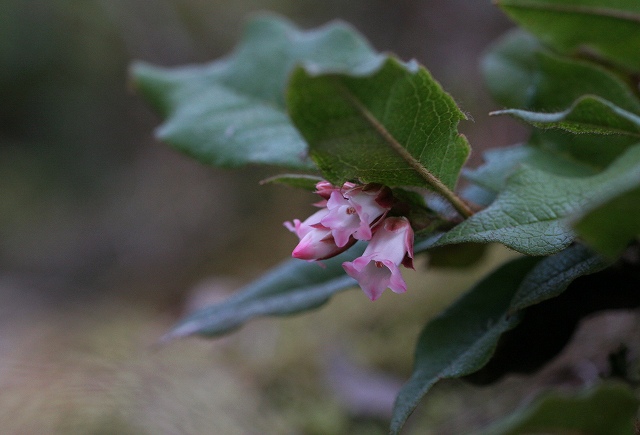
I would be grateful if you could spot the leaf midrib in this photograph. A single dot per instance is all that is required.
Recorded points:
(434, 182)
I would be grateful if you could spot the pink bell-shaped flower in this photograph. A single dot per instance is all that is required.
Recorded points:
(353, 212)
(316, 241)
(377, 268)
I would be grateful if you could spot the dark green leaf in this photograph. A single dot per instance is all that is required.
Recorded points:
(609, 223)
(589, 151)
(530, 214)
(610, 30)
(588, 114)
(232, 112)
(393, 127)
(464, 255)
(521, 73)
(554, 296)
(290, 288)
(552, 275)
(607, 409)
(462, 339)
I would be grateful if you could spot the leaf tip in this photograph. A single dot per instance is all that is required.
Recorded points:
(182, 330)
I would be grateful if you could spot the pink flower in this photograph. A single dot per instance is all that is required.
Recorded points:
(316, 241)
(377, 269)
(325, 189)
(353, 212)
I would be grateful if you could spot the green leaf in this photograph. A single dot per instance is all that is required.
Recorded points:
(552, 151)
(521, 73)
(462, 339)
(232, 112)
(610, 222)
(292, 287)
(531, 214)
(593, 151)
(300, 181)
(588, 114)
(552, 275)
(457, 256)
(395, 127)
(607, 409)
(555, 300)
(501, 163)
(605, 29)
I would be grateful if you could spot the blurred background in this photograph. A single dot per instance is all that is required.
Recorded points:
(107, 237)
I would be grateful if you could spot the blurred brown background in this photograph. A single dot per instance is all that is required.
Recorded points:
(107, 236)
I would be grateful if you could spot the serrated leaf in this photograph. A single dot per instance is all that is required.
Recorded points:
(394, 127)
(552, 275)
(531, 214)
(292, 287)
(610, 30)
(461, 339)
(523, 74)
(606, 409)
(232, 112)
(588, 114)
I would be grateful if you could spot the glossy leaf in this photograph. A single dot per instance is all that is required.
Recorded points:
(232, 112)
(523, 74)
(292, 287)
(606, 409)
(609, 30)
(588, 114)
(396, 127)
(530, 214)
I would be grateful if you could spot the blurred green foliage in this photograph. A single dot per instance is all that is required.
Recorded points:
(104, 232)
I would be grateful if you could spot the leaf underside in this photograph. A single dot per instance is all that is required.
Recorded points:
(292, 287)
(232, 112)
(531, 215)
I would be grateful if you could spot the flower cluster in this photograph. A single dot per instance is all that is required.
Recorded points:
(355, 212)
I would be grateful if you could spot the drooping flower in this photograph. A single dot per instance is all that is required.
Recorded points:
(377, 268)
(316, 240)
(325, 189)
(354, 211)
(346, 214)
